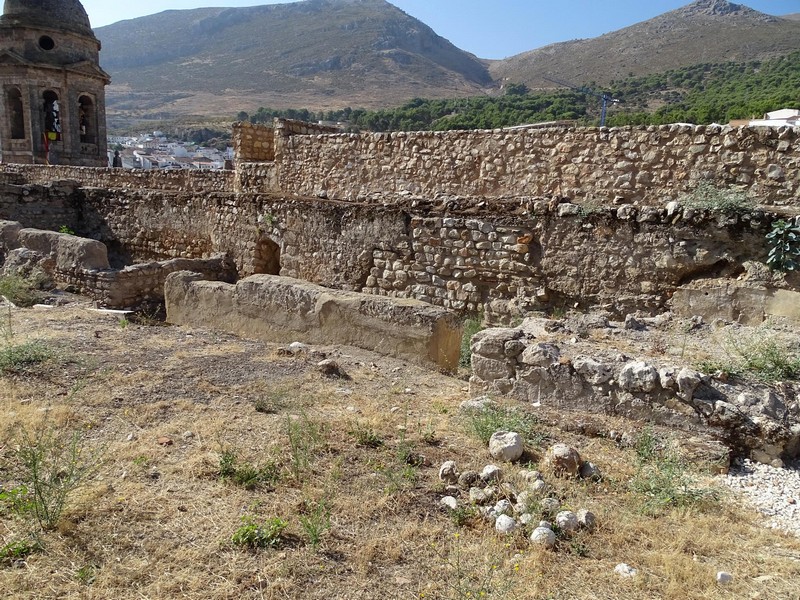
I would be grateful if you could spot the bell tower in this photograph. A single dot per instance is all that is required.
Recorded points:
(52, 89)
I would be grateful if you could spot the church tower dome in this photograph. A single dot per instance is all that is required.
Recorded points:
(66, 15)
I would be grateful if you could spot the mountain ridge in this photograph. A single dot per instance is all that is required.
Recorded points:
(328, 54)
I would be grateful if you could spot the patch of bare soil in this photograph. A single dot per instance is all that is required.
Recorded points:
(349, 465)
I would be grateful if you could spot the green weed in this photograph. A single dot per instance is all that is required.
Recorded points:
(254, 534)
(18, 550)
(483, 423)
(471, 327)
(706, 196)
(246, 474)
(20, 291)
(316, 522)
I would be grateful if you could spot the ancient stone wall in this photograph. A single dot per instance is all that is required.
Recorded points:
(253, 143)
(645, 165)
(121, 179)
(503, 258)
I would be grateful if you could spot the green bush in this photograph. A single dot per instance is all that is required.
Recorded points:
(761, 355)
(254, 535)
(18, 550)
(17, 358)
(246, 474)
(19, 291)
(316, 522)
(784, 246)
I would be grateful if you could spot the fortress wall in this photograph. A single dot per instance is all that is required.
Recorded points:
(124, 179)
(253, 143)
(645, 165)
(505, 258)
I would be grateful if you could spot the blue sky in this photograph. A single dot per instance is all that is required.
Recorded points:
(487, 28)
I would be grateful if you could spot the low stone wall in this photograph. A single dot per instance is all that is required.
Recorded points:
(179, 180)
(83, 265)
(524, 363)
(505, 258)
(280, 309)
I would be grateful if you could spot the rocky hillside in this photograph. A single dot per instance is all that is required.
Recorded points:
(706, 31)
(313, 53)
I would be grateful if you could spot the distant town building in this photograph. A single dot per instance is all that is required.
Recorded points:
(52, 89)
(786, 117)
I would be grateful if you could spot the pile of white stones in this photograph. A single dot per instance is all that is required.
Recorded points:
(773, 491)
(511, 506)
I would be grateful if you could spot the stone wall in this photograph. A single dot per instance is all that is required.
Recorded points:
(503, 258)
(253, 143)
(121, 179)
(527, 363)
(83, 265)
(644, 165)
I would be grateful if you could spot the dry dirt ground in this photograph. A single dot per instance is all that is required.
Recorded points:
(160, 406)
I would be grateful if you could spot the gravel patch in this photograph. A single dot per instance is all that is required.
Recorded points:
(775, 492)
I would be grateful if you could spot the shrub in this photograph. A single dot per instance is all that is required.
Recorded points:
(246, 474)
(253, 534)
(51, 463)
(784, 246)
(19, 291)
(18, 550)
(761, 355)
(316, 522)
(16, 358)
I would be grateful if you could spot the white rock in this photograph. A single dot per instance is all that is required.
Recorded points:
(491, 473)
(638, 376)
(688, 381)
(503, 507)
(567, 521)
(477, 404)
(724, 577)
(478, 496)
(529, 476)
(551, 505)
(506, 445)
(526, 518)
(538, 487)
(624, 570)
(448, 472)
(505, 524)
(449, 502)
(543, 537)
(594, 372)
(297, 347)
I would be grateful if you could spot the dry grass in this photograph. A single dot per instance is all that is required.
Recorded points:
(156, 520)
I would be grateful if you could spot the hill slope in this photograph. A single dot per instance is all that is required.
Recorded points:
(706, 31)
(317, 53)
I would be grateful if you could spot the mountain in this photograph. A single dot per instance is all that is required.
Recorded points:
(792, 17)
(706, 31)
(316, 53)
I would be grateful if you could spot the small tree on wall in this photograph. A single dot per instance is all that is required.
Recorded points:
(784, 245)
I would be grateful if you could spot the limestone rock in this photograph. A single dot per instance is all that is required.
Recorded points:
(330, 368)
(543, 536)
(586, 519)
(506, 445)
(624, 570)
(477, 404)
(448, 472)
(590, 471)
(594, 372)
(468, 478)
(687, 381)
(491, 473)
(638, 376)
(724, 577)
(505, 524)
(567, 521)
(540, 355)
(449, 502)
(563, 460)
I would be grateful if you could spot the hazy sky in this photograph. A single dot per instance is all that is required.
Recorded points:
(487, 28)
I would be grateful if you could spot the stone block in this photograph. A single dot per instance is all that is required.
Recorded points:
(277, 309)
